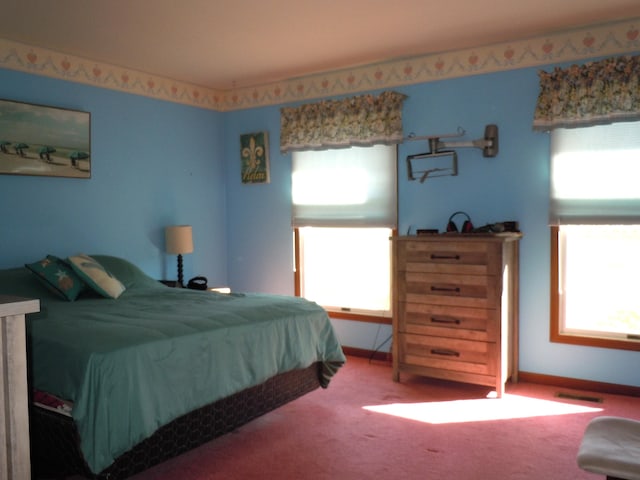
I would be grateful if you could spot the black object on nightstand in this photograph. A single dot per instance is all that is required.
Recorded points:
(198, 283)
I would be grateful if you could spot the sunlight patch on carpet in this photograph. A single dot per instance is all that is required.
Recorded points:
(480, 410)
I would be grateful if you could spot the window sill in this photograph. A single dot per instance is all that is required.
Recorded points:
(587, 341)
(359, 317)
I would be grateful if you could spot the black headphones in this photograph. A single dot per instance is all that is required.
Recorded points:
(197, 283)
(467, 226)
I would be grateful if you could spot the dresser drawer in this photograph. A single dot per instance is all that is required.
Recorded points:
(479, 324)
(448, 354)
(479, 291)
(449, 257)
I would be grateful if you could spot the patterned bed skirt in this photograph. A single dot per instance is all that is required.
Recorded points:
(55, 446)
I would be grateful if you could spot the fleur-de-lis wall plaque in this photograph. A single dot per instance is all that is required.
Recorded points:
(254, 152)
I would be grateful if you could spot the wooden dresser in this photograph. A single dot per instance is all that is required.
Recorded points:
(456, 307)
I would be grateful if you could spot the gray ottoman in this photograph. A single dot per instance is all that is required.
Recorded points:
(611, 446)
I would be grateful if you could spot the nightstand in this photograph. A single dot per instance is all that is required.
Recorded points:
(174, 284)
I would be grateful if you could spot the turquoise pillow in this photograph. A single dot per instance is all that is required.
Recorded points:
(58, 277)
(96, 276)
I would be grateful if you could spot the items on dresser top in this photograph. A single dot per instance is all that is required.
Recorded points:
(467, 227)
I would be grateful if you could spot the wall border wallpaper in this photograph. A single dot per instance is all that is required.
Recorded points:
(594, 41)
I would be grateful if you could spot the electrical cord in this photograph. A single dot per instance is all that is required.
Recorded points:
(377, 349)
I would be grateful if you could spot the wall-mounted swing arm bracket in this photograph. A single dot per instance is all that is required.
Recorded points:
(488, 144)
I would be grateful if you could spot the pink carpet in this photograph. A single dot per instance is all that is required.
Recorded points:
(365, 426)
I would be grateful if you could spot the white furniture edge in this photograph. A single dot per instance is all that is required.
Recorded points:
(14, 407)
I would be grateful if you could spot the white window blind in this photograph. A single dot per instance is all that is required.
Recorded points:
(348, 187)
(595, 174)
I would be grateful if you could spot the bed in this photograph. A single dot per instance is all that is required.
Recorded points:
(125, 377)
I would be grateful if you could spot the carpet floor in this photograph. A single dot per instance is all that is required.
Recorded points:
(365, 426)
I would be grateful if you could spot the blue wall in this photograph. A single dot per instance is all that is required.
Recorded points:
(153, 164)
(156, 163)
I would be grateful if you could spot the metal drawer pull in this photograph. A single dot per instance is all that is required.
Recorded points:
(445, 352)
(444, 257)
(448, 321)
(445, 289)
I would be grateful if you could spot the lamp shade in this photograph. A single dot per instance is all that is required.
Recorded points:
(179, 239)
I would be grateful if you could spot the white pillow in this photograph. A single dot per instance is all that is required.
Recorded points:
(96, 276)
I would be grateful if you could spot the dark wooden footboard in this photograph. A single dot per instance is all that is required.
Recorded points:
(55, 448)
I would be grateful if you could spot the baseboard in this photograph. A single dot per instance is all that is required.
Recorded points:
(370, 354)
(564, 382)
(578, 384)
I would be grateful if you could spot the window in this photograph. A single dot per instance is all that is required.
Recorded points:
(598, 282)
(344, 212)
(595, 214)
(347, 269)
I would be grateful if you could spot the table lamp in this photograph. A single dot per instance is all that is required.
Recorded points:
(179, 240)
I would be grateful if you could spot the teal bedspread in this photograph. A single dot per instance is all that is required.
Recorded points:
(134, 364)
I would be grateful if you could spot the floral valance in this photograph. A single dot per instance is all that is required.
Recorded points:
(362, 121)
(594, 93)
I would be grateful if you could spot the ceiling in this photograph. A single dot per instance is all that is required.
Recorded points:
(223, 44)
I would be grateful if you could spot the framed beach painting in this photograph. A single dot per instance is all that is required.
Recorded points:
(42, 140)
(254, 155)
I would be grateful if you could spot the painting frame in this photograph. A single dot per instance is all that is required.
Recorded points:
(254, 157)
(43, 140)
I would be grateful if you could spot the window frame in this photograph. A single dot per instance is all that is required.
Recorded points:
(360, 317)
(556, 335)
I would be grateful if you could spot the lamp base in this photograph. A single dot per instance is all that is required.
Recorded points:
(180, 275)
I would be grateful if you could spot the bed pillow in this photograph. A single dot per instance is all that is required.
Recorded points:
(58, 276)
(129, 274)
(96, 276)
